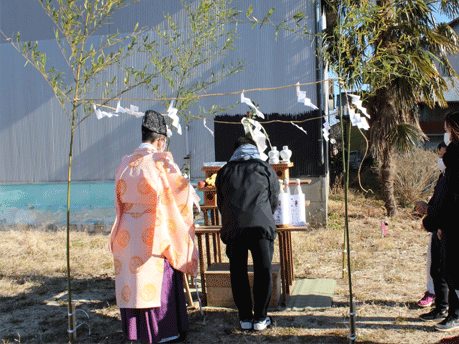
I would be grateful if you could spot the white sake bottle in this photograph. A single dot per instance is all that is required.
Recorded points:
(282, 214)
(274, 156)
(298, 205)
(285, 154)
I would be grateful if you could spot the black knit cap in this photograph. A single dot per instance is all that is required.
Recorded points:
(155, 122)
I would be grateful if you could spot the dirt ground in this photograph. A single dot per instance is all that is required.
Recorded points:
(388, 277)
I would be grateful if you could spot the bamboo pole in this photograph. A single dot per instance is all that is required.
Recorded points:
(71, 308)
(346, 143)
(72, 323)
(352, 335)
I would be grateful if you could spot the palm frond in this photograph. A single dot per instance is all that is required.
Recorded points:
(404, 137)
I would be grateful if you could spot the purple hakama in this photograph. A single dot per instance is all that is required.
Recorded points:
(151, 325)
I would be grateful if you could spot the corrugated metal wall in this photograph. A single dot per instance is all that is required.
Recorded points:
(34, 131)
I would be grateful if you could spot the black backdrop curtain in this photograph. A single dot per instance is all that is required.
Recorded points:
(307, 149)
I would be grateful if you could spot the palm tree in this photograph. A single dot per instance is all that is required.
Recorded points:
(391, 49)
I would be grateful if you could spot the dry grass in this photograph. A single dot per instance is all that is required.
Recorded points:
(416, 174)
(388, 278)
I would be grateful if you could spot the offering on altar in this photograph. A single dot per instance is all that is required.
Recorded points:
(282, 213)
(297, 205)
(210, 181)
(291, 210)
(273, 156)
(207, 186)
(285, 154)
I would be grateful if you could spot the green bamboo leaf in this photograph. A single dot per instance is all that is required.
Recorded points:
(299, 15)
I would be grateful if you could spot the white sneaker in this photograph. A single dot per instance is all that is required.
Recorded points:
(246, 324)
(262, 325)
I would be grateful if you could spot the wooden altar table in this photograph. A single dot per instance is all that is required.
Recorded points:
(207, 256)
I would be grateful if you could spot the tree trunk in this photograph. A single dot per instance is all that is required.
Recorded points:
(387, 182)
(383, 122)
(386, 118)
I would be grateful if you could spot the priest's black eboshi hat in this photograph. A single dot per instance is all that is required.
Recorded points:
(154, 122)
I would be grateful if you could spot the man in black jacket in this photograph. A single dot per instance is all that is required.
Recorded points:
(247, 196)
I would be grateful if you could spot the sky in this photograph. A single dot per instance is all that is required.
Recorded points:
(442, 18)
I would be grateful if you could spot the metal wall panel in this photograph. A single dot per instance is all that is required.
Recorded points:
(34, 131)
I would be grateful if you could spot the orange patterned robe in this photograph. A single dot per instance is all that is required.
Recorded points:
(154, 221)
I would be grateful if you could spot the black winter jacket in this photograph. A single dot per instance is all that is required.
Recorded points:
(431, 226)
(247, 197)
(441, 213)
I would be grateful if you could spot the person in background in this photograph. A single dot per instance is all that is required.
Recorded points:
(152, 239)
(247, 197)
(433, 249)
(434, 261)
(441, 216)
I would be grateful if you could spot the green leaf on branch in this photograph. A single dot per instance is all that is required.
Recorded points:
(249, 11)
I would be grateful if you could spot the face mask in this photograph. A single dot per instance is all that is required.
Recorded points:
(447, 138)
(441, 165)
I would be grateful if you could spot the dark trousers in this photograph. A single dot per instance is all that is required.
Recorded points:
(262, 254)
(440, 286)
(450, 257)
